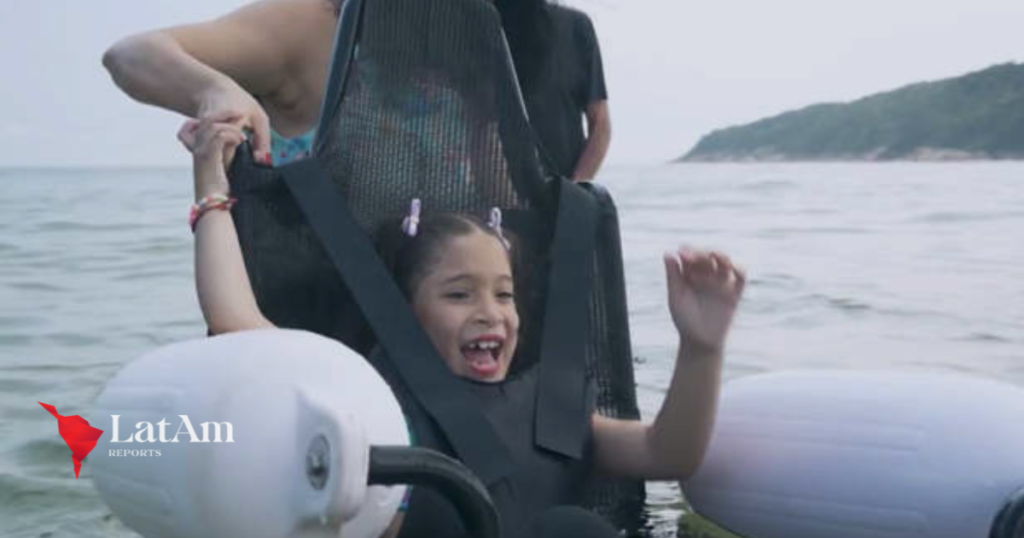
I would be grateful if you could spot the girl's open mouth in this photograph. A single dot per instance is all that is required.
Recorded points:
(482, 355)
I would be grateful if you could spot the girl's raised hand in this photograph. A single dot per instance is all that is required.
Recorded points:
(207, 138)
(704, 289)
(213, 145)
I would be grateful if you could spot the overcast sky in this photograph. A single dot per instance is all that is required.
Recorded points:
(676, 69)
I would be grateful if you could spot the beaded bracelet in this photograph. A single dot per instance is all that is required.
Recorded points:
(206, 203)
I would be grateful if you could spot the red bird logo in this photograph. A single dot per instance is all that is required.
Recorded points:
(77, 433)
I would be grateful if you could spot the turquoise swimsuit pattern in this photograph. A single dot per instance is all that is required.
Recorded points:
(285, 150)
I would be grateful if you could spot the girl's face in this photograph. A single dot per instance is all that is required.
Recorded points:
(467, 306)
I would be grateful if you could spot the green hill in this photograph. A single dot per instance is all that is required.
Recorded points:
(976, 116)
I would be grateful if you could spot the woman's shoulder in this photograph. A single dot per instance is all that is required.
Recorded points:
(276, 17)
(307, 13)
(291, 10)
(255, 43)
(300, 25)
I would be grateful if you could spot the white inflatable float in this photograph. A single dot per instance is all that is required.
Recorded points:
(275, 443)
(865, 455)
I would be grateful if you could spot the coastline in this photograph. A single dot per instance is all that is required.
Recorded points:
(881, 155)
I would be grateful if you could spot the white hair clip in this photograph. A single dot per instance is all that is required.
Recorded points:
(411, 223)
(494, 222)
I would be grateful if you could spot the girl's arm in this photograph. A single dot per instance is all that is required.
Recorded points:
(704, 290)
(225, 294)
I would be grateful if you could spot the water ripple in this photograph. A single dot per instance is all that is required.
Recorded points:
(15, 340)
(152, 274)
(74, 339)
(770, 232)
(40, 455)
(36, 286)
(957, 217)
(22, 386)
(768, 185)
(21, 322)
(48, 227)
(984, 337)
(775, 281)
(75, 367)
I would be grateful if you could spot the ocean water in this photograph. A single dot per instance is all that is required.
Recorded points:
(878, 266)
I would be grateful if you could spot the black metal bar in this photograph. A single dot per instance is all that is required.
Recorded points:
(428, 468)
(341, 58)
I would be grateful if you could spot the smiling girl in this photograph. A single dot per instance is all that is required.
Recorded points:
(456, 273)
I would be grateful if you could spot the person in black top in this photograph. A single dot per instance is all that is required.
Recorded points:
(570, 87)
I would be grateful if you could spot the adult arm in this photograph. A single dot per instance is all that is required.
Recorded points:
(704, 290)
(593, 101)
(211, 68)
(599, 137)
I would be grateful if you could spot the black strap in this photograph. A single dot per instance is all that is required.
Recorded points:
(561, 421)
(412, 354)
(341, 63)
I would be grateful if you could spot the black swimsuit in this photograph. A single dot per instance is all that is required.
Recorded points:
(543, 480)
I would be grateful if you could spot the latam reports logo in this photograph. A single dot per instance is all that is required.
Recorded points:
(77, 433)
(82, 438)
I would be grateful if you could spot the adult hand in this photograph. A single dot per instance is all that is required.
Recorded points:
(231, 104)
(704, 289)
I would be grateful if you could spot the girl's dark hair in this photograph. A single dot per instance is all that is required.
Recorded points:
(409, 259)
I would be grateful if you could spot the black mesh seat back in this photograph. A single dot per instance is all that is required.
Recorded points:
(423, 103)
(429, 108)
(426, 105)
(610, 362)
